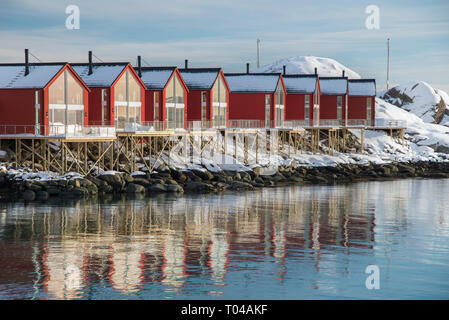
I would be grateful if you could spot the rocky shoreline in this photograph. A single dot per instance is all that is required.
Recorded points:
(203, 181)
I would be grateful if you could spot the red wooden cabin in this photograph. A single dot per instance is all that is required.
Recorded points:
(165, 97)
(256, 96)
(333, 100)
(361, 101)
(302, 103)
(117, 93)
(208, 96)
(42, 99)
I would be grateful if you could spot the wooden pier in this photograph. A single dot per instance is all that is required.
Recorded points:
(131, 151)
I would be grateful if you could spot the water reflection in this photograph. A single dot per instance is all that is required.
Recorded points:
(168, 246)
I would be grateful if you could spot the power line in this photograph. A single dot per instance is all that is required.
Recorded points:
(34, 56)
(97, 58)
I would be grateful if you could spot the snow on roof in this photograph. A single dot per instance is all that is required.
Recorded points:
(199, 78)
(12, 76)
(300, 83)
(252, 82)
(156, 78)
(365, 87)
(333, 85)
(103, 74)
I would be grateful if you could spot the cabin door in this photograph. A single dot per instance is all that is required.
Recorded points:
(267, 110)
(104, 107)
(37, 113)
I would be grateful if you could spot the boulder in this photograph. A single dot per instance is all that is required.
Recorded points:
(198, 187)
(157, 188)
(28, 195)
(42, 195)
(134, 188)
(174, 188)
(204, 175)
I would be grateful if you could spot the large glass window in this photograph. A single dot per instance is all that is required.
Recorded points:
(66, 103)
(279, 107)
(127, 100)
(174, 104)
(220, 104)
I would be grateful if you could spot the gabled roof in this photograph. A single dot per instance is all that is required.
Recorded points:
(300, 83)
(156, 78)
(103, 74)
(12, 75)
(362, 87)
(334, 85)
(252, 82)
(199, 78)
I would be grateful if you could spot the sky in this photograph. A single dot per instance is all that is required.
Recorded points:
(223, 34)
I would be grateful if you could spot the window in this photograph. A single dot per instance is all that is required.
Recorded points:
(279, 107)
(368, 111)
(174, 103)
(267, 110)
(66, 102)
(156, 106)
(127, 100)
(339, 106)
(219, 93)
(203, 106)
(306, 108)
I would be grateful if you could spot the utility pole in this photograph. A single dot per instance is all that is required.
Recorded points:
(258, 53)
(388, 63)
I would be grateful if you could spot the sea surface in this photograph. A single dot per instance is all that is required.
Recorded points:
(369, 240)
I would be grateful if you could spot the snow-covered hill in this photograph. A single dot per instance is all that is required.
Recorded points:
(326, 67)
(421, 99)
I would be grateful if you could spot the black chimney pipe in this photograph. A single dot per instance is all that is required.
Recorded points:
(186, 63)
(27, 66)
(90, 63)
(247, 67)
(316, 70)
(139, 66)
(343, 73)
(283, 70)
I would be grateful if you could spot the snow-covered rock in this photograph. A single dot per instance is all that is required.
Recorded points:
(326, 67)
(421, 99)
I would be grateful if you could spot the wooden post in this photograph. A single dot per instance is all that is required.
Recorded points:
(362, 131)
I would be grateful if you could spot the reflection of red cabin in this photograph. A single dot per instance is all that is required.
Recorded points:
(165, 97)
(41, 98)
(333, 100)
(208, 96)
(117, 93)
(303, 93)
(361, 101)
(258, 97)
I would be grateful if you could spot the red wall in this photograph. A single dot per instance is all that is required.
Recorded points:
(194, 105)
(95, 106)
(328, 107)
(357, 108)
(17, 108)
(248, 106)
(295, 106)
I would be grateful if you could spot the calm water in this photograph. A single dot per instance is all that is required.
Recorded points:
(284, 243)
